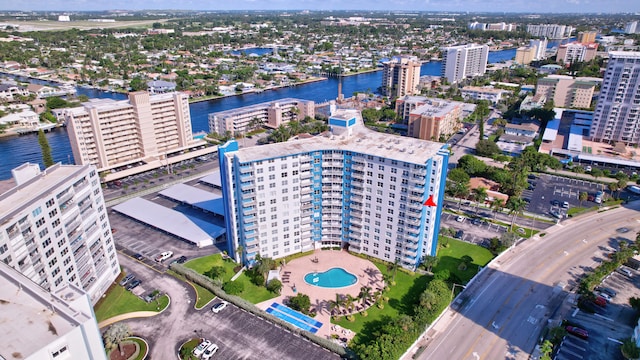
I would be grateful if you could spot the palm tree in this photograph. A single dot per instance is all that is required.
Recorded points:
(460, 190)
(582, 197)
(350, 302)
(516, 207)
(613, 187)
(393, 268)
(429, 262)
(365, 294)
(479, 195)
(115, 335)
(497, 205)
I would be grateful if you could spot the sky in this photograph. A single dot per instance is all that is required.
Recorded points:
(526, 6)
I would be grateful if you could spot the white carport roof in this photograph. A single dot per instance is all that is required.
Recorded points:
(195, 197)
(212, 179)
(173, 222)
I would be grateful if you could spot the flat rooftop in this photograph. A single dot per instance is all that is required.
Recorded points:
(40, 186)
(32, 317)
(362, 140)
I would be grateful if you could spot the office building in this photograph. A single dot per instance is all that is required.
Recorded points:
(551, 31)
(371, 193)
(566, 91)
(587, 37)
(616, 115)
(631, 27)
(111, 133)
(271, 114)
(54, 228)
(39, 324)
(464, 61)
(401, 76)
(576, 52)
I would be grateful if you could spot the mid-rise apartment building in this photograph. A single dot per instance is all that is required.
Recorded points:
(616, 117)
(631, 27)
(368, 192)
(501, 26)
(464, 61)
(434, 119)
(576, 52)
(39, 324)
(271, 114)
(587, 37)
(490, 94)
(401, 76)
(110, 133)
(566, 91)
(54, 228)
(551, 31)
(524, 55)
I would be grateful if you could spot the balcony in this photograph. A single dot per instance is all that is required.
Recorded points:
(306, 221)
(306, 206)
(332, 203)
(249, 211)
(251, 226)
(249, 202)
(305, 166)
(247, 186)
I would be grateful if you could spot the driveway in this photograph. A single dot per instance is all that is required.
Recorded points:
(239, 334)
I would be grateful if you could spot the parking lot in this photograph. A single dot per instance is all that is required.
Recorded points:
(610, 324)
(544, 189)
(478, 233)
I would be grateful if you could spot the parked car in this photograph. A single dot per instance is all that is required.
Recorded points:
(604, 296)
(556, 214)
(600, 301)
(219, 307)
(565, 205)
(164, 256)
(459, 234)
(579, 332)
(199, 350)
(607, 291)
(555, 202)
(460, 218)
(624, 271)
(134, 284)
(476, 221)
(152, 296)
(125, 280)
(181, 260)
(591, 198)
(208, 353)
(138, 256)
(622, 230)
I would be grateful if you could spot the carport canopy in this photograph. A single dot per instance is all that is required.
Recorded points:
(201, 199)
(195, 231)
(212, 179)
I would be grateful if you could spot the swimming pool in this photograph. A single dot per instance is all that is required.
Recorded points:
(293, 317)
(332, 278)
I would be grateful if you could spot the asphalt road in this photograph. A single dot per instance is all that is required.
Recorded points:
(502, 313)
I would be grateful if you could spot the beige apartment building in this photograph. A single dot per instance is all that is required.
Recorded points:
(525, 55)
(401, 76)
(566, 92)
(428, 118)
(483, 93)
(587, 37)
(271, 114)
(111, 133)
(576, 52)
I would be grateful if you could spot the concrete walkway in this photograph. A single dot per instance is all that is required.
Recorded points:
(131, 315)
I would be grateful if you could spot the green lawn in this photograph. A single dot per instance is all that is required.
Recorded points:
(402, 297)
(251, 293)
(120, 301)
(187, 349)
(450, 258)
(204, 296)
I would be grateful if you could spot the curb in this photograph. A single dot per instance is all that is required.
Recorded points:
(132, 315)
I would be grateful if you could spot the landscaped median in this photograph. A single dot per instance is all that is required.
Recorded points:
(118, 302)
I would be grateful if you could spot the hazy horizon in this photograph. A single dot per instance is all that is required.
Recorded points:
(493, 6)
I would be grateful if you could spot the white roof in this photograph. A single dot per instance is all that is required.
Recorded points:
(195, 197)
(165, 219)
(551, 132)
(212, 179)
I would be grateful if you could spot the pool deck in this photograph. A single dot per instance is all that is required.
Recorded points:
(366, 272)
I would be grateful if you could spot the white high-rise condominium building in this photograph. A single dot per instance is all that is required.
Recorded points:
(38, 324)
(354, 188)
(464, 61)
(631, 27)
(401, 76)
(617, 112)
(541, 48)
(109, 133)
(54, 228)
(551, 31)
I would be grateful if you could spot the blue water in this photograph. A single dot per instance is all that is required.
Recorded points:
(256, 51)
(298, 315)
(291, 320)
(15, 151)
(332, 278)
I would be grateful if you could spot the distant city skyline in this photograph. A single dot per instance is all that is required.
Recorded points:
(522, 6)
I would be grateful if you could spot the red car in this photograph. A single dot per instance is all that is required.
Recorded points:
(600, 301)
(579, 332)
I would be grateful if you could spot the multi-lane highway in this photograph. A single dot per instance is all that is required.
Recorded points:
(503, 312)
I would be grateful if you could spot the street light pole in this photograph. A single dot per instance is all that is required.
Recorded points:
(454, 286)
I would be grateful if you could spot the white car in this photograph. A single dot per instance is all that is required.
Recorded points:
(219, 307)
(200, 349)
(460, 218)
(604, 295)
(208, 353)
(164, 256)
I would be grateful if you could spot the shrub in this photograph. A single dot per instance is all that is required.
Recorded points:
(233, 287)
(300, 302)
(442, 275)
